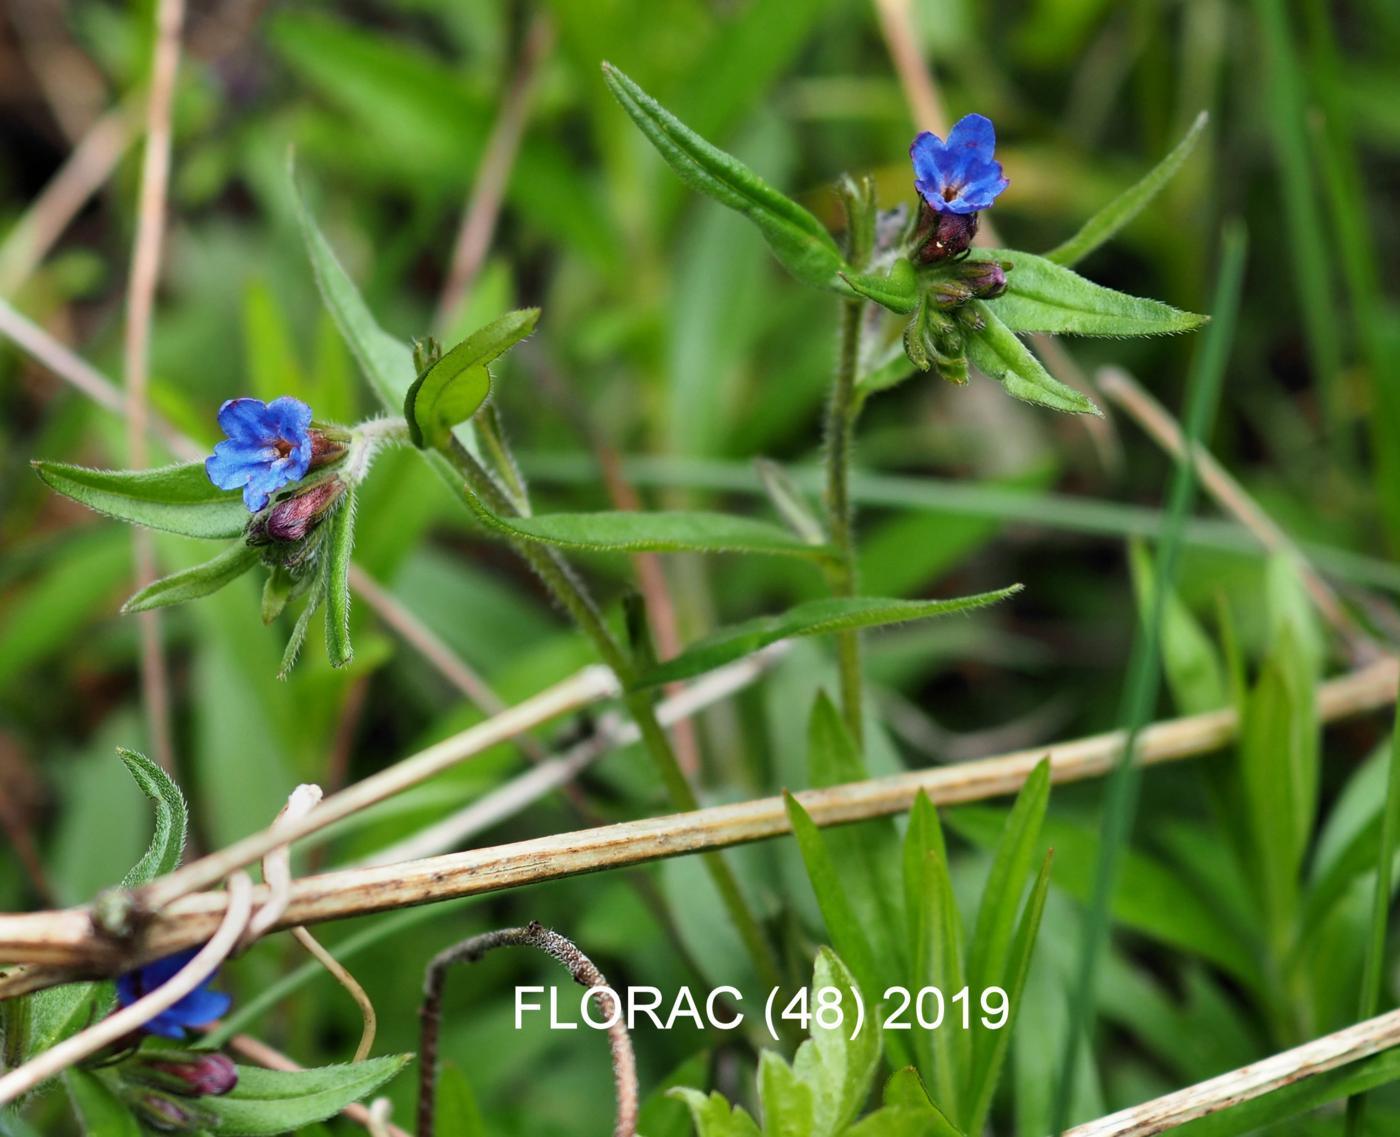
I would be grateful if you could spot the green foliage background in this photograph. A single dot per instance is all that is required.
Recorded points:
(669, 335)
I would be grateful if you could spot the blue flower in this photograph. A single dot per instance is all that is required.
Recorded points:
(268, 445)
(960, 175)
(200, 1007)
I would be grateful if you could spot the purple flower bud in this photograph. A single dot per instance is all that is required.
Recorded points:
(985, 279)
(941, 236)
(208, 1075)
(292, 519)
(327, 445)
(159, 1111)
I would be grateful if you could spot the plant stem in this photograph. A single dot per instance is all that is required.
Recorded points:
(570, 592)
(840, 437)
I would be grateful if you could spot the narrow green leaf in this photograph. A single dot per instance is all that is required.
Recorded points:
(315, 593)
(1127, 205)
(266, 1103)
(1192, 665)
(672, 531)
(790, 502)
(457, 1112)
(386, 362)
(897, 290)
(452, 389)
(1042, 296)
(100, 1110)
(341, 540)
(846, 930)
(1006, 883)
(179, 499)
(813, 618)
(714, 1116)
(58, 1012)
(192, 583)
(798, 240)
(996, 352)
(172, 819)
(990, 1046)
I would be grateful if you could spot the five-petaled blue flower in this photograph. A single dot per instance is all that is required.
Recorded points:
(960, 175)
(200, 1007)
(268, 445)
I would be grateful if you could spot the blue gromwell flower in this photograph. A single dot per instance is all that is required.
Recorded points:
(960, 175)
(199, 1008)
(268, 446)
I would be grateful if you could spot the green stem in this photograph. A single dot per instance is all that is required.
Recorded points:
(559, 578)
(840, 438)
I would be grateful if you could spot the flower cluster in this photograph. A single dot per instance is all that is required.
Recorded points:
(956, 180)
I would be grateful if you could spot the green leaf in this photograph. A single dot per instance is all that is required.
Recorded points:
(457, 1112)
(838, 1068)
(846, 930)
(787, 1101)
(315, 593)
(172, 820)
(1042, 296)
(179, 499)
(714, 1116)
(898, 290)
(341, 540)
(990, 1046)
(813, 618)
(100, 1111)
(905, 1091)
(452, 389)
(192, 583)
(790, 502)
(1190, 661)
(935, 934)
(798, 240)
(386, 362)
(671, 531)
(266, 1103)
(1006, 884)
(995, 350)
(1127, 205)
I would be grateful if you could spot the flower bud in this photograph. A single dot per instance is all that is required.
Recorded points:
(162, 1112)
(985, 279)
(207, 1075)
(328, 445)
(291, 519)
(942, 236)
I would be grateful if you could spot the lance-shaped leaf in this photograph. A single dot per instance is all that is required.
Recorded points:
(1127, 205)
(172, 819)
(1042, 296)
(192, 583)
(266, 1103)
(995, 350)
(100, 1111)
(452, 389)
(341, 539)
(179, 499)
(797, 238)
(897, 290)
(814, 618)
(670, 531)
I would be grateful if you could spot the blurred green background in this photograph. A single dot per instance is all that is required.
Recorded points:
(670, 337)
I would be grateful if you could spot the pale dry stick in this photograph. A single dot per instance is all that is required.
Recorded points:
(86, 170)
(483, 208)
(613, 733)
(140, 304)
(1248, 1082)
(925, 103)
(583, 971)
(118, 1025)
(1232, 497)
(67, 938)
(270, 1058)
(277, 874)
(380, 1109)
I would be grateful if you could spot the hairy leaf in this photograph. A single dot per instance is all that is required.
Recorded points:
(270, 1102)
(172, 819)
(813, 618)
(897, 290)
(452, 389)
(798, 240)
(1127, 205)
(995, 350)
(179, 499)
(101, 1112)
(340, 541)
(192, 583)
(714, 1116)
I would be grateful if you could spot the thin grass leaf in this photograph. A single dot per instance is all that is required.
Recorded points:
(193, 583)
(787, 498)
(1112, 217)
(1142, 680)
(813, 618)
(340, 541)
(799, 241)
(178, 499)
(997, 353)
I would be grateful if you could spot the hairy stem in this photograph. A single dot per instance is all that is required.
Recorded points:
(840, 436)
(559, 578)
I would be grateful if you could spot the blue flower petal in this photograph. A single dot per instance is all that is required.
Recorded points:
(166, 1024)
(244, 420)
(202, 1006)
(268, 446)
(973, 133)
